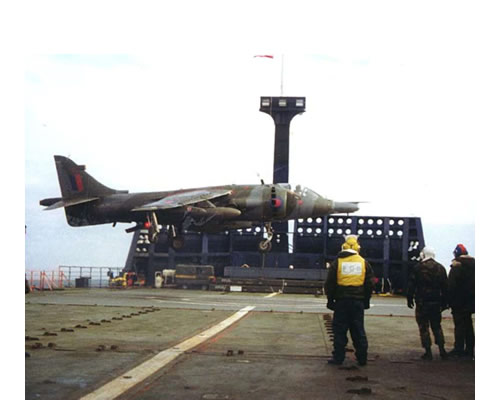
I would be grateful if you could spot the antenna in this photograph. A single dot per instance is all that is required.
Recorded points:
(261, 179)
(282, 66)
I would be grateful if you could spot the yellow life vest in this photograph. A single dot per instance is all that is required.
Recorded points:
(351, 271)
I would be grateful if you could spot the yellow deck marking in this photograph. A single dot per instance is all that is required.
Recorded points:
(136, 375)
(271, 295)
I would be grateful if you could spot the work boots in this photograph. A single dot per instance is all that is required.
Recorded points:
(443, 353)
(427, 355)
(455, 353)
(469, 354)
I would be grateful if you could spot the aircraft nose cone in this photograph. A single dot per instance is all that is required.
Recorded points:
(323, 207)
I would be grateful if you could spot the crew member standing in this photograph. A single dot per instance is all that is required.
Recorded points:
(428, 284)
(348, 287)
(461, 281)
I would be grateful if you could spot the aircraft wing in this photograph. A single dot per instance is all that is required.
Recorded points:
(183, 199)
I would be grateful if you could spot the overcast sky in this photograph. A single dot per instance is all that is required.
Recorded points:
(402, 98)
(393, 101)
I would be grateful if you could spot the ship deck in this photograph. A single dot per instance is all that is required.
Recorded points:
(186, 344)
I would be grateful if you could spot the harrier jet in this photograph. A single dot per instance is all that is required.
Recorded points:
(207, 209)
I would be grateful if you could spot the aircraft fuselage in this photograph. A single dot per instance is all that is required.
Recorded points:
(258, 203)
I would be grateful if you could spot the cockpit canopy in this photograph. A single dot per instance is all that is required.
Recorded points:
(304, 192)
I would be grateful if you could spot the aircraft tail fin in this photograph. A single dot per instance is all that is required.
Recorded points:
(80, 192)
(75, 183)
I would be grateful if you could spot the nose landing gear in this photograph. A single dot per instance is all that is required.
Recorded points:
(266, 245)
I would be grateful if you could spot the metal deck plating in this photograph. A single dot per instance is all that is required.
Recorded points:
(79, 340)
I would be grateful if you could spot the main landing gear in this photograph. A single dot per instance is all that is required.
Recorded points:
(176, 240)
(153, 228)
(151, 224)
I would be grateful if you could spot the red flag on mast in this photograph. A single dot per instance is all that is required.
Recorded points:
(266, 56)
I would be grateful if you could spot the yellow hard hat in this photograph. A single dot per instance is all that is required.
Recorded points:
(351, 242)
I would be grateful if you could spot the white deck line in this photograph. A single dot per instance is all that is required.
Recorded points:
(120, 385)
(271, 295)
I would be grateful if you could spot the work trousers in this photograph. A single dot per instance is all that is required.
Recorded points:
(429, 314)
(349, 316)
(464, 331)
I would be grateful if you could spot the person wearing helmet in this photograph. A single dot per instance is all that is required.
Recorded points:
(428, 285)
(461, 281)
(348, 287)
